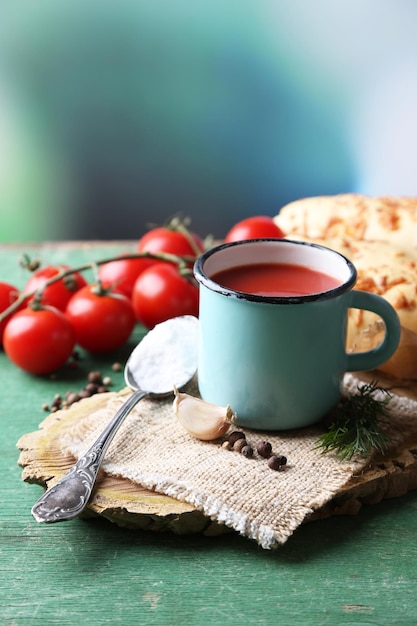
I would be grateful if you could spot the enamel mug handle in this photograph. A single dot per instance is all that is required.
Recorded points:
(371, 359)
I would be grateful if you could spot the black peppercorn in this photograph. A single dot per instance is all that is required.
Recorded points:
(264, 449)
(235, 435)
(92, 387)
(247, 451)
(95, 377)
(275, 462)
(57, 402)
(72, 397)
(84, 393)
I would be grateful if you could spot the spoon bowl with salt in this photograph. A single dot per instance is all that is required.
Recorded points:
(165, 358)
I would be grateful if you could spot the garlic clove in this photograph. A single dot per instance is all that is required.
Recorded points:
(202, 419)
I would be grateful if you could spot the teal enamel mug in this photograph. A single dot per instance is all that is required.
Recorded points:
(276, 352)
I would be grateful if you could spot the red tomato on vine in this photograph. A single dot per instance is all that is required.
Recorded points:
(39, 340)
(256, 227)
(161, 293)
(164, 239)
(120, 275)
(57, 294)
(103, 321)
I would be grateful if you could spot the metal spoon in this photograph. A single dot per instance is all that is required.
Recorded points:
(166, 357)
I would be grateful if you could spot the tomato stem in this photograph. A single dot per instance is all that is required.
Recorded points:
(28, 263)
(98, 286)
(180, 261)
(179, 225)
(36, 302)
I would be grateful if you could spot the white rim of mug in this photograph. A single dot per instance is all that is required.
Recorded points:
(205, 280)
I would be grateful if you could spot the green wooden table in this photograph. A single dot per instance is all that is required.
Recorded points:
(345, 570)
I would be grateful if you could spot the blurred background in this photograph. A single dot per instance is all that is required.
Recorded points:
(116, 114)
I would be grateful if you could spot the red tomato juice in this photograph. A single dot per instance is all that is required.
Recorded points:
(275, 279)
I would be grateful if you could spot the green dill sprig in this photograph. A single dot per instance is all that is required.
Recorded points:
(355, 424)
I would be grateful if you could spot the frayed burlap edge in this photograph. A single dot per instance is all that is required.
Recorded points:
(153, 450)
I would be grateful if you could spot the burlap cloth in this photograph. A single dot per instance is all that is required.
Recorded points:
(153, 450)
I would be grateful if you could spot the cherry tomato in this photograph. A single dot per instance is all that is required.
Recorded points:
(121, 275)
(57, 294)
(166, 240)
(257, 227)
(8, 294)
(103, 321)
(161, 293)
(39, 341)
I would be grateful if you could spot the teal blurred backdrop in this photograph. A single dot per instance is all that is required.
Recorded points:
(117, 114)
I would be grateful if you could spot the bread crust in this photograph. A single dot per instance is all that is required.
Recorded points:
(353, 216)
(379, 236)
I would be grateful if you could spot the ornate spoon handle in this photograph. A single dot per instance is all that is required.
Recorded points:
(68, 497)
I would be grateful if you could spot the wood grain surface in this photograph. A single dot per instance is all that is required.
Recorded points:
(344, 570)
(127, 504)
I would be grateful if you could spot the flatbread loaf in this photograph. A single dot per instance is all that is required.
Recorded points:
(382, 269)
(379, 235)
(354, 216)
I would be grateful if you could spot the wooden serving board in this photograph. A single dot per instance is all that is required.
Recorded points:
(129, 505)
